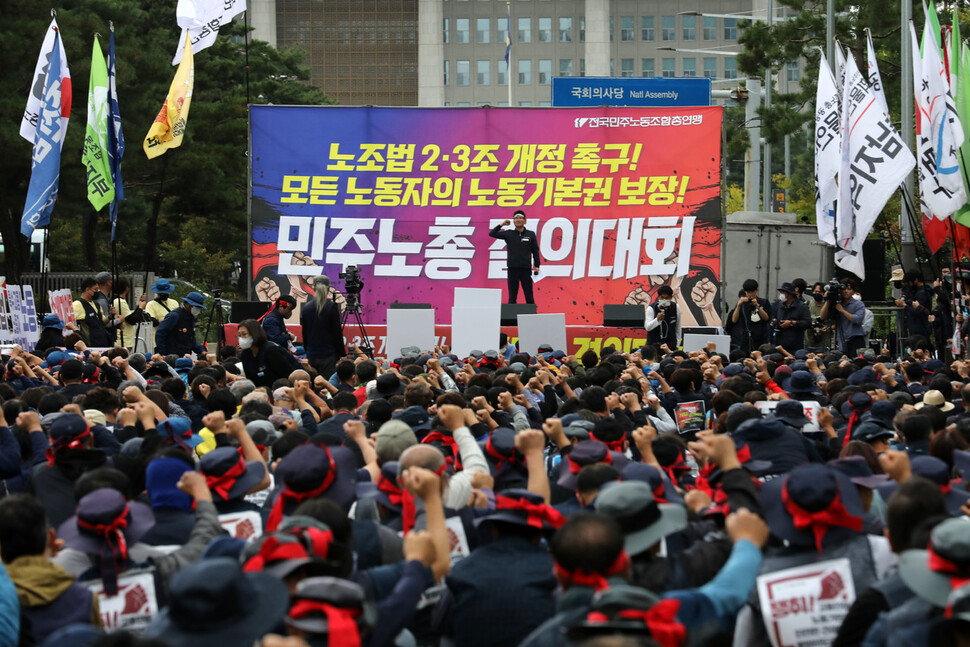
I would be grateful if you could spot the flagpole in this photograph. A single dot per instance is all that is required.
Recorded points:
(508, 64)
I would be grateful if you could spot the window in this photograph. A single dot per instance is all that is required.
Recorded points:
(690, 67)
(524, 27)
(463, 104)
(646, 67)
(503, 68)
(582, 29)
(545, 71)
(525, 104)
(730, 29)
(710, 67)
(689, 27)
(792, 73)
(646, 28)
(667, 68)
(626, 67)
(462, 73)
(565, 67)
(502, 27)
(482, 70)
(730, 68)
(582, 67)
(667, 28)
(483, 30)
(565, 30)
(626, 28)
(446, 72)
(611, 66)
(611, 29)
(545, 104)
(525, 72)
(545, 30)
(444, 31)
(710, 28)
(461, 30)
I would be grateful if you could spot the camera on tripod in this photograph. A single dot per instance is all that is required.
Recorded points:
(353, 284)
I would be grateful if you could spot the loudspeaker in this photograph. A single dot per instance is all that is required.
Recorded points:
(242, 310)
(624, 316)
(873, 289)
(397, 305)
(511, 311)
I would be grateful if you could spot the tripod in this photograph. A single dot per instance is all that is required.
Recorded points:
(353, 309)
(217, 315)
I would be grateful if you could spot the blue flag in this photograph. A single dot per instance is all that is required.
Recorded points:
(508, 34)
(48, 138)
(116, 139)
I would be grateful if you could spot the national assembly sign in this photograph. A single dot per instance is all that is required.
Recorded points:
(623, 200)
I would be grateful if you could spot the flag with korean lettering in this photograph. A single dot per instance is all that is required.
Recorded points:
(875, 79)
(874, 163)
(45, 172)
(101, 188)
(169, 126)
(828, 151)
(621, 202)
(201, 20)
(939, 132)
(35, 100)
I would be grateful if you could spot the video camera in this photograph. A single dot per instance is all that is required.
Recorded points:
(353, 284)
(833, 291)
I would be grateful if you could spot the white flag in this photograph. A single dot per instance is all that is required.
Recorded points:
(28, 125)
(874, 162)
(202, 19)
(828, 151)
(875, 80)
(839, 65)
(939, 131)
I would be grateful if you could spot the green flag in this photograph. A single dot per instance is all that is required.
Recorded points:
(934, 24)
(101, 188)
(961, 97)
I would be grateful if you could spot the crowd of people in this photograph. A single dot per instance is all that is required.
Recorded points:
(802, 488)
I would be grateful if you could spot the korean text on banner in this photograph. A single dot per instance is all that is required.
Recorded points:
(35, 100)
(95, 157)
(828, 144)
(804, 606)
(61, 304)
(623, 200)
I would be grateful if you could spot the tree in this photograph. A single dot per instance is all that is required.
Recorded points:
(184, 211)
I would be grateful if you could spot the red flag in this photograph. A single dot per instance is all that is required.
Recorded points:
(937, 231)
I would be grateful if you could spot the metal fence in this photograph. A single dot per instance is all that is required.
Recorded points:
(72, 280)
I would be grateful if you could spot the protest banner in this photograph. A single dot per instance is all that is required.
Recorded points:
(622, 199)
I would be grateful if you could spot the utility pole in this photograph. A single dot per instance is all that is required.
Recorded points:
(768, 202)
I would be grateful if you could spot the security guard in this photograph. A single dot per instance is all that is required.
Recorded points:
(521, 244)
(176, 333)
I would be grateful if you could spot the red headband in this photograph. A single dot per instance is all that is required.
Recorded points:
(452, 456)
(615, 445)
(408, 510)
(64, 443)
(114, 536)
(939, 564)
(576, 468)
(598, 582)
(221, 484)
(290, 496)
(341, 622)
(536, 513)
(273, 550)
(835, 515)
(661, 619)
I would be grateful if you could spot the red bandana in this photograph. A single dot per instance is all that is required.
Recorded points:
(576, 468)
(939, 564)
(273, 550)
(661, 619)
(408, 510)
(615, 445)
(114, 536)
(598, 582)
(220, 484)
(341, 622)
(450, 447)
(833, 516)
(66, 443)
(290, 496)
(536, 513)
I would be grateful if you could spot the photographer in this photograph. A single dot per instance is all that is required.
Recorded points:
(819, 335)
(662, 323)
(916, 303)
(749, 319)
(849, 315)
(790, 320)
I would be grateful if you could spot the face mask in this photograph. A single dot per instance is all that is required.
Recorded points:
(195, 311)
(245, 342)
(857, 297)
(818, 297)
(782, 296)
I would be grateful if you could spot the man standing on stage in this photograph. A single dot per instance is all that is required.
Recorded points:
(521, 244)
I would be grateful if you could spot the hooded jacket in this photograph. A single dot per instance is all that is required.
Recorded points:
(49, 598)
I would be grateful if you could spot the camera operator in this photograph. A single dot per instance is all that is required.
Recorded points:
(849, 315)
(749, 319)
(791, 319)
(916, 303)
(662, 323)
